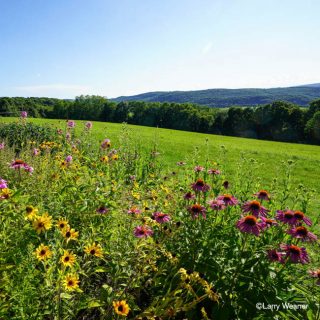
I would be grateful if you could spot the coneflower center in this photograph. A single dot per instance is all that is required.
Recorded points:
(251, 220)
(196, 208)
(302, 231)
(288, 215)
(299, 215)
(255, 205)
(200, 183)
(295, 249)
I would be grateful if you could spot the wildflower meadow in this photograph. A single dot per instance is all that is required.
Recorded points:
(102, 229)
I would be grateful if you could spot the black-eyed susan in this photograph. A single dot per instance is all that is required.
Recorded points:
(121, 307)
(68, 259)
(42, 223)
(62, 224)
(104, 159)
(71, 282)
(31, 212)
(43, 252)
(94, 250)
(70, 234)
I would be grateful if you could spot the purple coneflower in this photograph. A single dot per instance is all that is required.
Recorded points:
(200, 185)
(263, 195)
(69, 159)
(228, 199)
(275, 256)
(71, 123)
(189, 196)
(134, 210)
(216, 204)
(197, 209)
(3, 184)
(250, 224)
(102, 209)
(24, 114)
(295, 253)
(315, 274)
(302, 233)
(142, 231)
(286, 216)
(106, 143)
(28, 168)
(299, 217)
(198, 168)
(214, 171)
(267, 223)
(88, 125)
(161, 217)
(255, 208)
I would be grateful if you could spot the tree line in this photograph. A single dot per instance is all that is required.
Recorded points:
(279, 121)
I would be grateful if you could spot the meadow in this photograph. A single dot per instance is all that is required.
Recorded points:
(112, 221)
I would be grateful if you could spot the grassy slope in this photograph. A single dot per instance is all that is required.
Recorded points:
(178, 145)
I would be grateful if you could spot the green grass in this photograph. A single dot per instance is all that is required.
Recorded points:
(176, 146)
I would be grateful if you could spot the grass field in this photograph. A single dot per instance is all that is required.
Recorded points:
(175, 145)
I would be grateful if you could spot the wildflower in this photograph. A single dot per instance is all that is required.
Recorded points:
(210, 293)
(198, 168)
(134, 210)
(142, 231)
(68, 259)
(183, 274)
(5, 193)
(197, 209)
(161, 217)
(299, 216)
(104, 159)
(189, 196)
(254, 207)
(315, 274)
(295, 253)
(62, 224)
(268, 222)
(250, 224)
(32, 212)
(286, 217)
(302, 233)
(216, 204)
(88, 125)
(64, 164)
(71, 282)
(35, 151)
(102, 209)
(181, 163)
(3, 184)
(214, 172)
(121, 307)
(275, 256)
(70, 234)
(94, 250)
(106, 143)
(20, 164)
(59, 131)
(226, 184)
(68, 136)
(68, 159)
(71, 123)
(200, 185)
(43, 252)
(42, 223)
(263, 195)
(228, 199)
(2, 145)
(24, 114)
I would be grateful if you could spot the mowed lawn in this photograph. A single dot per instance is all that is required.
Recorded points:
(267, 157)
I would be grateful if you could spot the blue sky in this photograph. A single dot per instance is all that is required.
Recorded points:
(64, 48)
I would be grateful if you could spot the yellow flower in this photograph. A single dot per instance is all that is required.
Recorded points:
(31, 212)
(42, 223)
(115, 157)
(62, 224)
(104, 159)
(94, 250)
(68, 259)
(71, 282)
(63, 164)
(5, 193)
(70, 234)
(121, 308)
(43, 252)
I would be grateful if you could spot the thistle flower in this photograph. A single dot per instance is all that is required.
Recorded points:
(23, 114)
(161, 217)
(43, 252)
(94, 250)
(216, 204)
(275, 256)
(315, 274)
(250, 224)
(121, 307)
(2, 145)
(68, 159)
(197, 209)
(254, 207)
(71, 124)
(302, 233)
(263, 195)
(88, 125)
(228, 199)
(3, 184)
(71, 282)
(142, 231)
(200, 186)
(295, 253)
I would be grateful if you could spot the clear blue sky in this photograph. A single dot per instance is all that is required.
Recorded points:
(64, 48)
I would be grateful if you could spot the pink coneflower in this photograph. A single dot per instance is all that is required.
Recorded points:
(161, 217)
(228, 199)
(24, 114)
(286, 216)
(71, 124)
(295, 253)
(267, 223)
(214, 171)
(226, 184)
(181, 163)
(35, 151)
(88, 125)
(216, 204)
(59, 131)
(102, 209)
(28, 168)
(142, 231)
(263, 195)
(106, 143)
(275, 256)
(17, 164)
(189, 196)
(200, 185)
(254, 207)
(134, 210)
(69, 159)
(198, 168)
(2, 145)
(250, 224)
(197, 209)
(3, 184)
(302, 233)
(299, 217)
(315, 274)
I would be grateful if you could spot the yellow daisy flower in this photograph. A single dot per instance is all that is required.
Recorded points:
(43, 252)
(70, 234)
(62, 224)
(31, 212)
(5, 193)
(71, 282)
(104, 159)
(68, 259)
(121, 307)
(42, 223)
(94, 250)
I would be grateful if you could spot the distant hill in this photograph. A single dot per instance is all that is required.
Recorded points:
(301, 95)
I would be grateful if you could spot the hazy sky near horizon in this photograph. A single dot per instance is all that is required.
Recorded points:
(64, 48)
